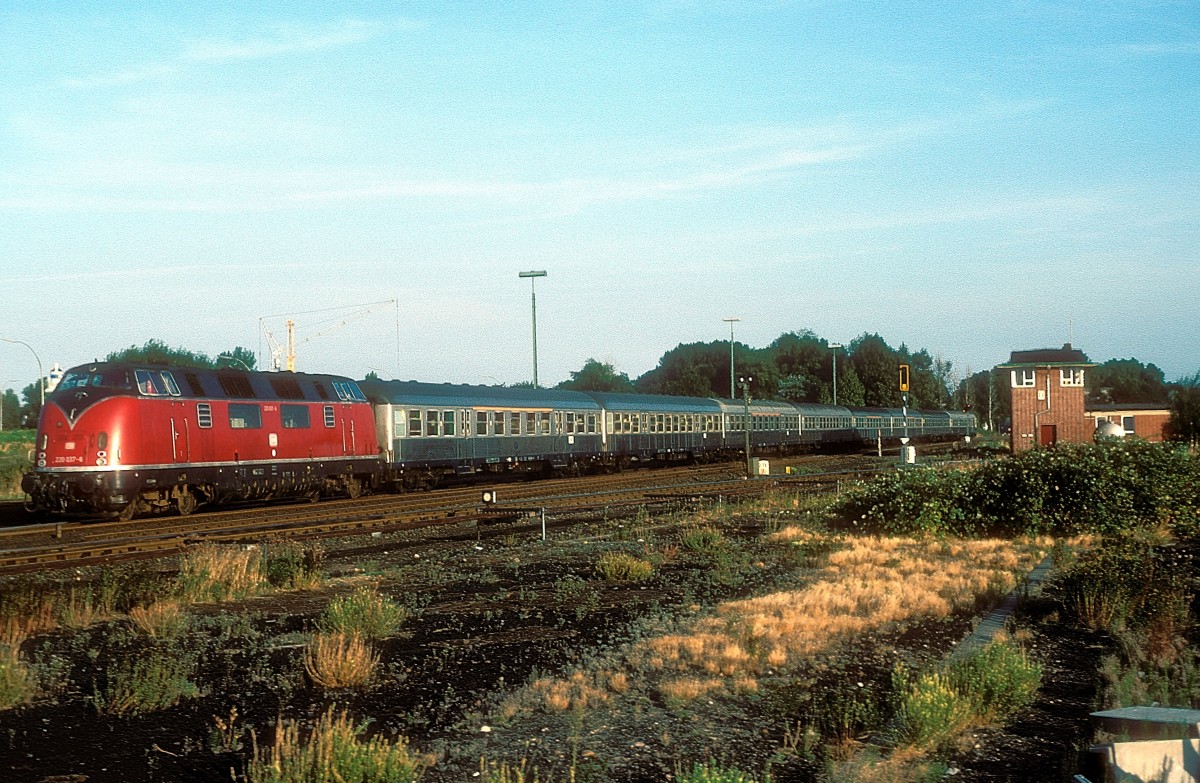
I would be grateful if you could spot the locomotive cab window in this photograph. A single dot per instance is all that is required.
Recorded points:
(156, 383)
(294, 417)
(243, 416)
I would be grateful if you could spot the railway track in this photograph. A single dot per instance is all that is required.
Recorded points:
(54, 545)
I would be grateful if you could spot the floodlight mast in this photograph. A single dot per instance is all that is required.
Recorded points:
(532, 275)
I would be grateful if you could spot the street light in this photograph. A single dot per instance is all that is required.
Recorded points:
(731, 321)
(533, 293)
(835, 347)
(41, 377)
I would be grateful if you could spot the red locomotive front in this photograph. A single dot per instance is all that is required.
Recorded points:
(117, 438)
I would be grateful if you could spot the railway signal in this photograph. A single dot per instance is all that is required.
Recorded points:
(904, 377)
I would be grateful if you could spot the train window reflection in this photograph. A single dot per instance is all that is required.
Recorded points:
(244, 416)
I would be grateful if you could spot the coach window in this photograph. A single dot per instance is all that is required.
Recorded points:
(432, 419)
(546, 424)
(514, 423)
(480, 423)
(448, 423)
(243, 416)
(498, 423)
(294, 417)
(398, 423)
(330, 419)
(570, 423)
(204, 415)
(414, 423)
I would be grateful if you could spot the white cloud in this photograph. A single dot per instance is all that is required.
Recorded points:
(285, 38)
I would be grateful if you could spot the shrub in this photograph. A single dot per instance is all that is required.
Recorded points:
(930, 710)
(338, 660)
(334, 751)
(622, 567)
(292, 565)
(364, 613)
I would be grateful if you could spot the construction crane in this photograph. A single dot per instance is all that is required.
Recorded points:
(288, 349)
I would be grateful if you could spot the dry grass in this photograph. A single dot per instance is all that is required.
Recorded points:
(338, 660)
(870, 584)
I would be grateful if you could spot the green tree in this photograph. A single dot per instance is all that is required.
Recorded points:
(159, 352)
(876, 365)
(984, 394)
(12, 410)
(1184, 423)
(32, 409)
(692, 370)
(598, 376)
(1126, 380)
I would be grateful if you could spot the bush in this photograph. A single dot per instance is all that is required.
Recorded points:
(701, 539)
(334, 751)
(711, 772)
(211, 572)
(17, 682)
(998, 679)
(1102, 488)
(292, 565)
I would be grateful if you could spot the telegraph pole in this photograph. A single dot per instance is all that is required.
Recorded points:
(533, 293)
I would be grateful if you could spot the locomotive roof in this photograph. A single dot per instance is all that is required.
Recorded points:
(205, 382)
(453, 395)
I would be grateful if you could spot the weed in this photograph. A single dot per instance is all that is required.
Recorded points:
(210, 572)
(333, 751)
(339, 660)
(712, 772)
(18, 685)
(145, 684)
(160, 620)
(226, 736)
(623, 567)
(365, 613)
(701, 539)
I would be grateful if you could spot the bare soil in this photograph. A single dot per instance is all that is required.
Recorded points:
(493, 610)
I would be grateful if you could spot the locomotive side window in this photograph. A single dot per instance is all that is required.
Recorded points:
(294, 417)
(204, 415)
(330, 421)
(243, 416)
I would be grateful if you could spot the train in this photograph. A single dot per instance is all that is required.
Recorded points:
(116, 439)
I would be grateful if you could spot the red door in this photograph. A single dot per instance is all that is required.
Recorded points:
(1047, 435)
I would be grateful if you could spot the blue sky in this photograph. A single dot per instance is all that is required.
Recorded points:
(971, 178)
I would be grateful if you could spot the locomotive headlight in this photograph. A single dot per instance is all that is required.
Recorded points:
(41, 463)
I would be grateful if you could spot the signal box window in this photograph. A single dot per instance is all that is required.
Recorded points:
(1023, 378)
(1072, 376)
(294, 417)
(244, 417)
(1127, 424)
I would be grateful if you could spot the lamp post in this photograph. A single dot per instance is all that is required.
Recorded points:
(745, 382)
(533, 293)
(41, 377)
(731, 321)
(835, 346)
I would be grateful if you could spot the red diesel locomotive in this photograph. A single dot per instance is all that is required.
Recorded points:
(122, 438)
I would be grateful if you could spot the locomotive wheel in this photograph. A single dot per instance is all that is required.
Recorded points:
(127, 513)
(186, 503)
(354, 488)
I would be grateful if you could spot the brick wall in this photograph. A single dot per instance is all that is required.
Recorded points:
(1060, 406)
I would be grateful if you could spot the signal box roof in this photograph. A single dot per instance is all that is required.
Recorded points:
(1045, 357)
